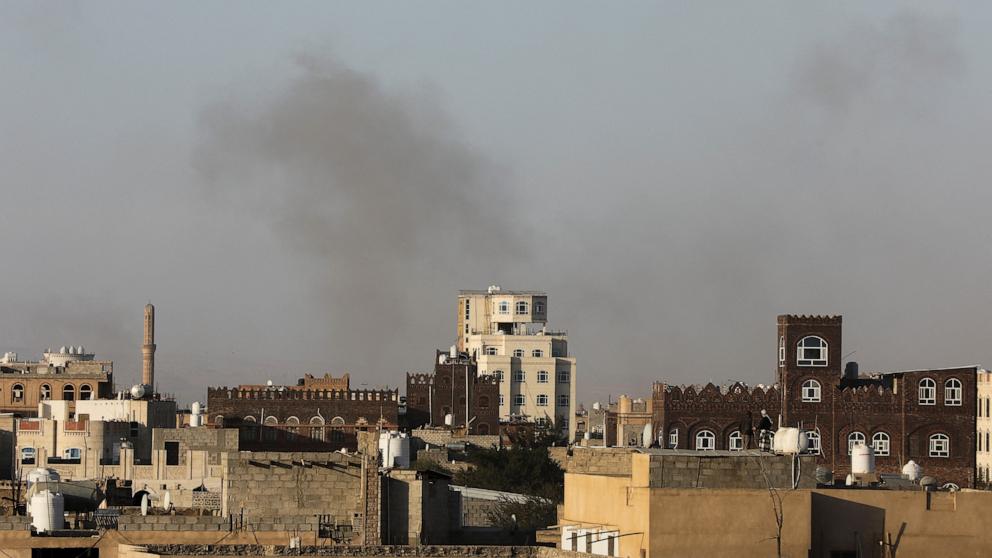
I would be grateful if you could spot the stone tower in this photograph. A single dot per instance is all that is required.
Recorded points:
(148, 348)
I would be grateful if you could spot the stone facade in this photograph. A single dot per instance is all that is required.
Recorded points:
(928, 416)
(431, 396)
(25, 384)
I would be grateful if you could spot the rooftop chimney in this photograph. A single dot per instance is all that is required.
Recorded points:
(148, 348)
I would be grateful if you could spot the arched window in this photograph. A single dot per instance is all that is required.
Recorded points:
(813, 437)
(46, 392)
(85, 392)
(521, 307)
(880, 443)
(811, 391)
(250, 418)
(705, 440)
(69, 392)
(537, 353)
(483, 402)
(542, 377)
(518, 353)
(781, 351)
(736, 441)
(853, 439)
(952, 392)
(519, 376)
(928, 392)
(542, 400)
(673, 438)
(812, 351)
(940, 445)
(271, 420)
(337, 421)
(563, 376)
(316, 421)
(17, 393)
(293, 421)
(518, 399)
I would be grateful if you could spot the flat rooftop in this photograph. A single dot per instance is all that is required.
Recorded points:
(501, 292)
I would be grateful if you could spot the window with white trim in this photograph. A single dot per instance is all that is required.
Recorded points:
(705, 440)
(880, 443)
(542, 400)
(28, 456)
(853, 439)
(952, 392)
(519, 376)
(46, 392)
(504, 307)
(499, 376)
(17, 393)
(563, 376)
(811, 391)
(492, 351)
(501, 400)
(537, 353)
(813, 439)
(736, 441)
(781, 351)
(518, 353)
(519, 399)
(928, 391)
(940, 445)
(673, 438)
(72, 453)
(85, 392)
(563, 401)
(812, 351)
(521, 307)
(542, 377)
(538, 307)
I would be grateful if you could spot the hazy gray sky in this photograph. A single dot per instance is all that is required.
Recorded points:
(304, 187)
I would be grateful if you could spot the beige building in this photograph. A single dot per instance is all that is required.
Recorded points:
(70, 374)
(506, 332)
(983, 421)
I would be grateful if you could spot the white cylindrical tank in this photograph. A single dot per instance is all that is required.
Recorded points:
(196, 414)
(42, 475)
(395, 449)
(47, 511)
(862, 459)
(790, 441)
(449, 419)
(912, 471)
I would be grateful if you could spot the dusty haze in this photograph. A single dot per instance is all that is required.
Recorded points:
(306, 191)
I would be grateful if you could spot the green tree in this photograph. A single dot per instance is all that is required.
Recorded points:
(522, 470)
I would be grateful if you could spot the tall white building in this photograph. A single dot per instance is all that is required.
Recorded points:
(506, 331)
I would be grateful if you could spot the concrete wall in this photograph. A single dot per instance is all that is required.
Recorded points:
(706, 469)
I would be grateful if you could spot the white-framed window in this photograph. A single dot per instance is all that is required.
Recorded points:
(736, 441)
(501, 400)
(519, 399)
(317, 421)
(673, 438)
(28, 455)
(705, 440)
(492, 351)
(46, 392)
(538, 307)
(85, 392)
(563, 401)
(519, 376)
(17, 393)
(250, 418)
(293, 421)
(880, 443)
(521, 307)
(537, 353)
(563, 376)
(504, 307)
(813, 437)
(811, 391)
(853, 439)
(542, 400)
(542, 377)
(940, 445)
(812, 351)
(499, 376)
(72, 453)
(518, 353)
(952, 392)
(541, 421)
(781, 351)
(928, 391)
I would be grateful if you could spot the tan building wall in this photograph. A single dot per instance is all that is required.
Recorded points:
(983, 434)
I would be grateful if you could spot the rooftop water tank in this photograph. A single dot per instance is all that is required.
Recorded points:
(47, 511)
(862, 459)
(912, 471)
(42, 475)
(395, 449)
(790, 441)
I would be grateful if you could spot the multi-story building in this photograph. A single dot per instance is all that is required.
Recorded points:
(983, 429)
(506, 333)
(69, 374)
(454, 388)
(928, 416)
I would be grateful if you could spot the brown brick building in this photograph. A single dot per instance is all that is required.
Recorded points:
(69, 374)
(928, 416)
(455, 387)
(303, 416)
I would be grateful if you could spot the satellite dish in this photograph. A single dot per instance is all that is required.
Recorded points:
(138, 391)
(144, 504)
(167, 501)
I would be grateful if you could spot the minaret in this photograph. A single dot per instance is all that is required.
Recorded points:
(148, 348)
